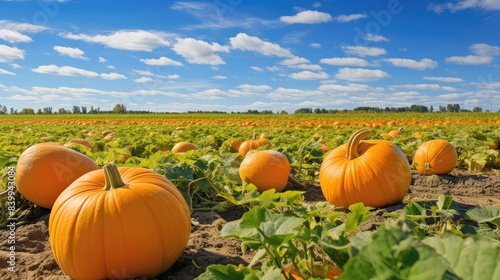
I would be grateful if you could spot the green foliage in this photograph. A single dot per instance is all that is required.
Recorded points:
(281, 228)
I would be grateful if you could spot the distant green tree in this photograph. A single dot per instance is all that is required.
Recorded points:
(477, 109)
(119, 109)
(28, 111)
(76, 110)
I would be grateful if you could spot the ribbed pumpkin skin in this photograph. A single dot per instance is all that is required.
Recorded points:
(79, 141)
(331, 274)
(378, 176)
(265, 169)
(138, 230)
(183, 147)
(436, 156)
(249, 145)
(44, 170)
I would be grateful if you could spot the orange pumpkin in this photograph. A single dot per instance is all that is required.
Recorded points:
(106, 132)
(265, 169)
(124, 222)
(110, 136)
(44, 170)
(253, 144)
(374, 172)
(183, 147)
(436, 156)
(331, 274)
(78, 141)
(234, 144)
(394, 133)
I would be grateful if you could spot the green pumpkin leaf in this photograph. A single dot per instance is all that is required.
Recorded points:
(229, 272)
(393, 253)
(485, 214)
(471, 258)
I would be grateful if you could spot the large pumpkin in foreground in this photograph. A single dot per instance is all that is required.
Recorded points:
(44, 170)
(120, 223)
(265, 169)
(375, 172)
(436, 156)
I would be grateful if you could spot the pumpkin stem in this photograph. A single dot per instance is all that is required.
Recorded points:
(112, 177)
(253, 136)
(352, 145)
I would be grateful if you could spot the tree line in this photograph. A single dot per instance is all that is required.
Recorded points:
(121, 109)
(450, 108)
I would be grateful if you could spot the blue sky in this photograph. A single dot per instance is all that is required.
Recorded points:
(235, 55)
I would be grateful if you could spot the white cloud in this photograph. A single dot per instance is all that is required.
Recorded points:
(307, 17)
(71, 52)
(487, 5)
(143, 80)
(364, 51)
(294, 61)
(173, 77)
(162, 61)
(315, 45)
(345, 61)
(309, 75)
(143, 72)
(200, 52)
(423, 64)
(300, 63)
(273, 68)
(345, 88)
(75, 72)
(135, 40)
(112, 76)
(64, 71)
(312, 67)
(260, 88)
(219, 77)
(13, 36)
(170, 77)
(433, 87)
(485, 84)
(469, 60)
(19, 97)
(102, 59)
(16, 66)
(5, 72)
(22, 27)
(444, 79)
(375, 38)
(209, 14)
(361, 75)
(292, 93)
(485, 50)
(257, 68)
(210, 94)
(351, 17)
(8, 54)
(244, 42)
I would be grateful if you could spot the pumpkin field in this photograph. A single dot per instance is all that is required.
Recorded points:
(239, 196)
